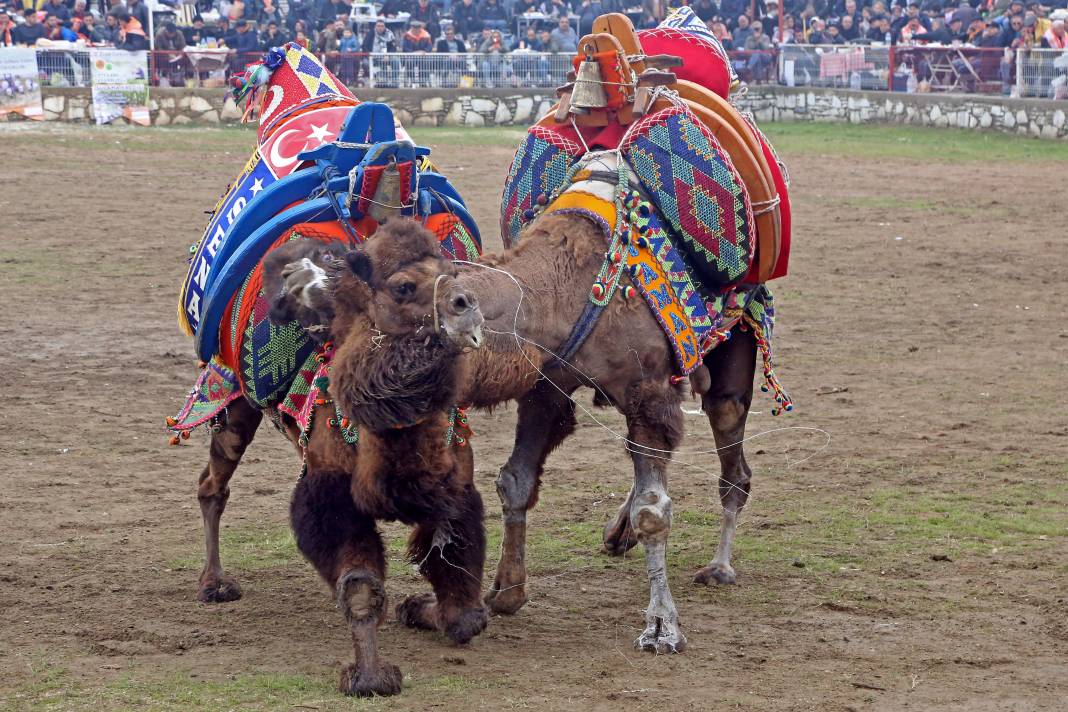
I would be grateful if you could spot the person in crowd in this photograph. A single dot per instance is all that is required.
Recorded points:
(197, 27)
(588, 11)
(817, 32)
(57, 8)
(705, 9)
(834, 36)
(329, 11)
(8, 29)
(302, 27)
(786, 35)
(733, 8)
(721, 33)
(493, 15)
(330, 38)
(912, 31)
(427, 13)
(450, 43)
(80, 10)
(880, 29)
(111, 30)
(417, 39)
(269, 12)
(244, 38)
(220, 32)
(760, 45)
(131, 33)
(493, 66)
(379, 40)
(563, 38)
(529, 41)
(465, 19)
(1011, 30)
(555, 9)
(392, 8)
(741, 32)
(139, 11)
(91, 32)
(847, 28)
(523, 7)
(1055, 37)
(169, 39)
(55, 31)
(917, 23)
(275, 37)
(991, 37)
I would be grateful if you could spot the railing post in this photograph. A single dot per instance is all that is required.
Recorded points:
(370, 71)
(890, 71)
(1019, 72)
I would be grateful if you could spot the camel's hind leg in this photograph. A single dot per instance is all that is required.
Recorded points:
(731, 366)
(546, 417)
(227, 446)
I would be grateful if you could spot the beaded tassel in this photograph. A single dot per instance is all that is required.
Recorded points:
(771, 381)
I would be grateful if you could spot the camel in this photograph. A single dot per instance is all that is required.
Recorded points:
(401, 323)
(530, 298)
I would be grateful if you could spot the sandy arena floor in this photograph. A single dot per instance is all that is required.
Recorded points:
(919, 561)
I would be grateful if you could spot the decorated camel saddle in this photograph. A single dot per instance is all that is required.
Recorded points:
(689, 192)
(329, 168)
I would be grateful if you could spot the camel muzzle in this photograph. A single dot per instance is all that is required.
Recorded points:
(461, 318)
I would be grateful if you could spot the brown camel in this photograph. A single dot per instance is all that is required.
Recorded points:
(531, 299)
(401, 325)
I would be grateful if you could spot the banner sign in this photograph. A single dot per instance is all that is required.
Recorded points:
(20, 92)
(120, 85)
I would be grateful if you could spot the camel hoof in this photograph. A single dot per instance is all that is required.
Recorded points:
(222, 590)
(663, 638)
(618, 540)
(384, 680)
(467, 625)
(506, 602)
(415, 611)
(718, 573)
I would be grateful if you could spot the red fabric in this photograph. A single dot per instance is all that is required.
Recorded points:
(784, 215)
(701, 63)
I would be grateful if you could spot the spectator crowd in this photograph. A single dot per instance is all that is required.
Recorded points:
(502, 26)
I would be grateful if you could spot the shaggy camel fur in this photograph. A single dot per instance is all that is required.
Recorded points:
(401, 324)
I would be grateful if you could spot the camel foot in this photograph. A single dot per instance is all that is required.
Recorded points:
(718, 573)
(418, 611)
(506, 601)
(358, 681)
(467, 625)
(219, 590)
(661, 637)
(618, 537)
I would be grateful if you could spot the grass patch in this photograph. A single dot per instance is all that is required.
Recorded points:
(509, 136)
(248, 548)
(916, 143)
(53, 688)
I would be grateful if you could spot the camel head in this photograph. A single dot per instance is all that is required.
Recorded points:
(401, 324)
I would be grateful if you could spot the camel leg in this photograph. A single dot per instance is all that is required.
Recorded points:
(654, 430)
(451, 555)
(731, 366)
(345, 547)
(227, 447)
(546, 417)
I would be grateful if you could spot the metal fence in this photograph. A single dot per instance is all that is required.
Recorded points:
(64, 67)
(1028, 73)
(841, 66)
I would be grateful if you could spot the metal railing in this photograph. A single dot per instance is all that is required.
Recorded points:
(1039, 73)
(841, 66)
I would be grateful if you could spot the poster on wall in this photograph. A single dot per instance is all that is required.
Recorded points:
(120, 85)
(20, 92)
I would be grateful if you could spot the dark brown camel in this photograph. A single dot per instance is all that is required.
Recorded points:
(627, 360)
(401, 325)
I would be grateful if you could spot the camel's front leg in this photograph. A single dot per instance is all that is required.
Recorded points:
(546, 417)
(654, 431)
(345, 547)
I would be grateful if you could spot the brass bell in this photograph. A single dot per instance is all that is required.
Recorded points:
(589, 90)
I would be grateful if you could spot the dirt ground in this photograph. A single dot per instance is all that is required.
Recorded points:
(906, 546)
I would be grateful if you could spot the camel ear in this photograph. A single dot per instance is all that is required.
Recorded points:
(359, 264)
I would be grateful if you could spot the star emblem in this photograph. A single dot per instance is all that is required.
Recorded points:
(319, 133)
(257, 186)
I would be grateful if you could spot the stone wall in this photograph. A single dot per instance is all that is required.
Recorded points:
(489, 107)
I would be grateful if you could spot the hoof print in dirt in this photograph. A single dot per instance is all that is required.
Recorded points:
(384, 680)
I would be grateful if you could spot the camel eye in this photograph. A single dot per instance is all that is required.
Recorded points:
(404, 289)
